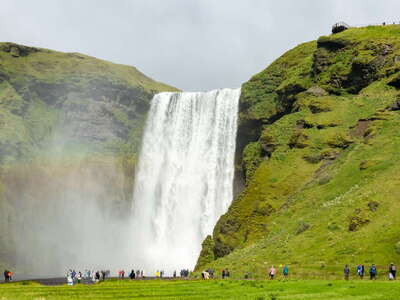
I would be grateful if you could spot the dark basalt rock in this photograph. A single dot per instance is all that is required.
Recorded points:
(362, 74)
(395, 106)
(298, 140)
(332, 44)
(18, 50)
(356, 222)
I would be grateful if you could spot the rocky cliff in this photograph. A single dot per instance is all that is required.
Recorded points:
(70, 125)
(317, 150)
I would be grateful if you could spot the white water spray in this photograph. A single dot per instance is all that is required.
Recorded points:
(185, 175)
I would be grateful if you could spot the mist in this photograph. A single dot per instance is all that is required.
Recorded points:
(70, 212)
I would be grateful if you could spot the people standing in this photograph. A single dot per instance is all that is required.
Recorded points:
(373, 272)
(70, 280)
(285, 271)
(346, 272)
(6, 278)
(392, 271)
(132, 275)
(360, 271)
(272, 272)
(223, 274)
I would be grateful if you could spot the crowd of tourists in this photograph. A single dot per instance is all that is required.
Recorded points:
(89, 276)
(373, 272)
(74, 277)
(136, 274)
(272, 272)
(184, 273)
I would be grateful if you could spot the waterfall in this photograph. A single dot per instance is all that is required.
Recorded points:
(185, 175)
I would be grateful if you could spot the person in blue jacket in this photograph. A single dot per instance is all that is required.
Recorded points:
(373, 272)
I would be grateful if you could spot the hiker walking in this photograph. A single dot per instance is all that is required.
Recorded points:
(372, 272)
(360, 271)
(392, 271)
(346, 272)
(285, 271)
(272, 272)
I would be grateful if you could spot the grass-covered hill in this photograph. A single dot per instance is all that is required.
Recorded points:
(318, 148)
(68, 122)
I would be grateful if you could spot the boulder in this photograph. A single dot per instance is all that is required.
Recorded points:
(395, 106)
(316, 91)
(298, 140)
(356, 222)
(395, 82)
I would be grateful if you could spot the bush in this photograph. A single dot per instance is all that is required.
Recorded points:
(303, 226)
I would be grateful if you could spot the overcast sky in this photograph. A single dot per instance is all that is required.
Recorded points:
(190, 44)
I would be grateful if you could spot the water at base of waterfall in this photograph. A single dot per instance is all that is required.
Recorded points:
(184, 177)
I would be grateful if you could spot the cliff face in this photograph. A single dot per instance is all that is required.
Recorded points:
(67, 122)
(318, 147)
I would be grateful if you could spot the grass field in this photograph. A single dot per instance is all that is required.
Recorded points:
(217, 289)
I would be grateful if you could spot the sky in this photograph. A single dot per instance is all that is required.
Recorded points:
(194, 45)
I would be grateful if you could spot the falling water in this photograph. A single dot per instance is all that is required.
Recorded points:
(185, 174)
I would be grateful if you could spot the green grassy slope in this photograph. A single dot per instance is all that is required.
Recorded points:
(318, 145)
(67, 114)
(182, 289)
(38, 87)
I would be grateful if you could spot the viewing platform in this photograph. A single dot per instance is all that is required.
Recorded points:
(339, 27)
(342, 26)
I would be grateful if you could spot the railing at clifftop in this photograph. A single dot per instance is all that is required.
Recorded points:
(342, 26)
